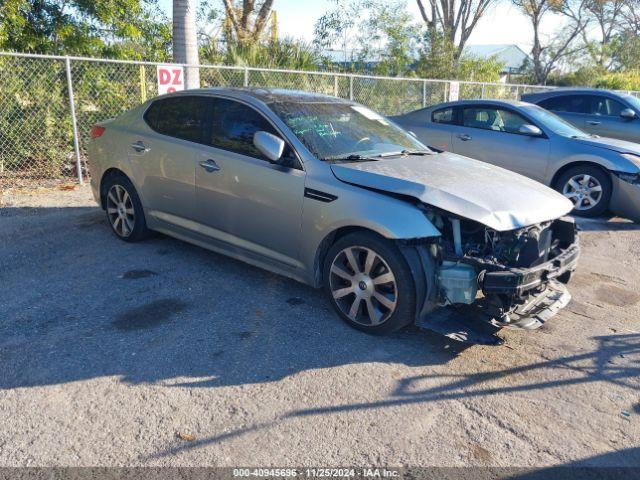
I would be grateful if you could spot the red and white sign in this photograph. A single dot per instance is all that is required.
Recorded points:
(170, 79)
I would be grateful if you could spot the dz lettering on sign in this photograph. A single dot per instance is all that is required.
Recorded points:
(170, 79)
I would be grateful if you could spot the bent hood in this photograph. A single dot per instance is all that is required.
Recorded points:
(493, 196)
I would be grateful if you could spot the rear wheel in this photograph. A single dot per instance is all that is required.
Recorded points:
(589, 189)
(124, 209)
(369, 283)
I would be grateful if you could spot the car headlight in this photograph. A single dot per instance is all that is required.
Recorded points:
(635, 159)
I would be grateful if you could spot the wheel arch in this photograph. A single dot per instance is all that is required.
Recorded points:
(577, 163)
(333, 237)
(110, 172)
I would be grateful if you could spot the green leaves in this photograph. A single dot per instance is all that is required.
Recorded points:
(114, 28)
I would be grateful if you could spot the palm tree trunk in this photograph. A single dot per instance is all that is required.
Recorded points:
(185, 40)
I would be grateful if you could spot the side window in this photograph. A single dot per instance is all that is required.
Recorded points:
(181, 117)
(445, 115)
(233, 125)
(490, 118)
(566, 103)
(605, 106)
(152, 114)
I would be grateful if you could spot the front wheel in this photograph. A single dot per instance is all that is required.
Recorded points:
(588, 188)
(369, 283)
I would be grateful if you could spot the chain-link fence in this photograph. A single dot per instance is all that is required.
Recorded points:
(49, 103)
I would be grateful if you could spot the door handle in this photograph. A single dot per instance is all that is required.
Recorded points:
(139, 147)
(464, 137)
(593, 122)
(210, 165)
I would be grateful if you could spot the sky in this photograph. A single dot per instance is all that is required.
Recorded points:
(503, 24)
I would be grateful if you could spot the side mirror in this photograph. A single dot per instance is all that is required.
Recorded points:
(269, 145)
(628, 113)
(530, 130)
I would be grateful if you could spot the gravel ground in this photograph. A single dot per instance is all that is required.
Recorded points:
(110, 352)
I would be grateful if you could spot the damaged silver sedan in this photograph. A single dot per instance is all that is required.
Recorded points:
(332, 194)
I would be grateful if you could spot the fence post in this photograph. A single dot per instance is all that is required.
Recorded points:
(351, 87)
(76, 140)
(424, 93)
(482, 94)
(245, 82)
(143, 84)
(446, 91)
(335, 85)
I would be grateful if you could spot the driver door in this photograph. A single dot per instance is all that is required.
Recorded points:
(241, 197)
(490, 134)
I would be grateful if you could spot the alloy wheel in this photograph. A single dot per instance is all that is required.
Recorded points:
(120, 210)
(584, 191)
(363, 286)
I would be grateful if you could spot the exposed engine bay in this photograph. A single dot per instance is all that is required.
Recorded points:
(512, 278)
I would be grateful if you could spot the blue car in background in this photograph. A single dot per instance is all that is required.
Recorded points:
(599, 112)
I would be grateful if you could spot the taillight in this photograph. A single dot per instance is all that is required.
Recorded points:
(97, 131)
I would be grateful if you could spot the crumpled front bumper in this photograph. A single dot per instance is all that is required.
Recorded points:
(518, 281)
(538, 292)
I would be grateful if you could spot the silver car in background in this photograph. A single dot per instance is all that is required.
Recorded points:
(595, 173)
(599, 112)
(332, 194)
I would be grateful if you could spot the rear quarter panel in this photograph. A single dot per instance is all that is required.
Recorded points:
(431, 134)
(110, 150)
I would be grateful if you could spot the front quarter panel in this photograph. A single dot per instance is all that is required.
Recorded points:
(567, 151)
(353, 206)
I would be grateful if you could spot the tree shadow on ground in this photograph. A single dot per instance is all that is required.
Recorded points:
(616, 360)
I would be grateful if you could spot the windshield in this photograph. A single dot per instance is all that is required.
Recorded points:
(553, 122)
(633, 101)
(338, 130)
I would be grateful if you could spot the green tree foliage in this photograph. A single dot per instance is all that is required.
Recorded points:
(131, 29)
(374, 35)
(286, 53)
(438, 60)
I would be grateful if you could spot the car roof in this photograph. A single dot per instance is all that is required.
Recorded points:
(265, 95)
(572, 91)
(495, 102)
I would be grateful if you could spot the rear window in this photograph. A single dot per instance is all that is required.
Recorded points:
(445, 115)
(180, 117)
(566, 103)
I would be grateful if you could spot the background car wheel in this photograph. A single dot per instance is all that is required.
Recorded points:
(369, 283)
(124, 210)
(588, 187)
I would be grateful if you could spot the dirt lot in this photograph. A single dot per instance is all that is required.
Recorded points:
(109, 350)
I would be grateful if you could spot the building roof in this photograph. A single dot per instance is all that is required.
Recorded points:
(511, 55)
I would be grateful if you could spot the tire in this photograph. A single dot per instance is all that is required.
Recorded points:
(386, 294)
(124, 209)
(596, 178)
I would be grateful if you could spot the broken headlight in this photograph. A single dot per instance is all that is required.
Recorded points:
(632, 178)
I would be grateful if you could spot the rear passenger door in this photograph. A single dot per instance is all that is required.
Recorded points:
(162, 156)
(573, 108)
(490, 134)
(241, 197)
